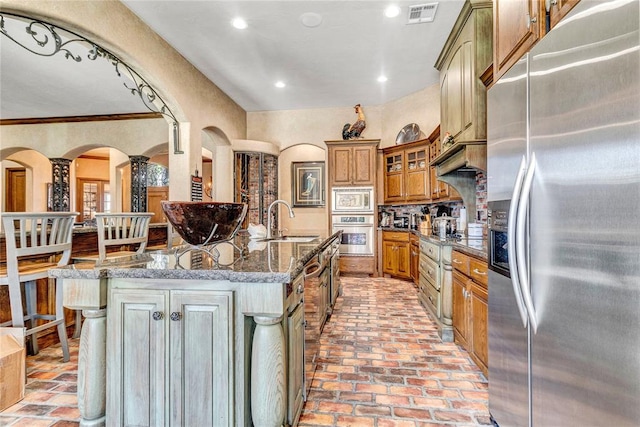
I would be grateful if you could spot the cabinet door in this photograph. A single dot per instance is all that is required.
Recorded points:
(394, 177)
(460, 316)
(517, 27)
(415, 260)
(340, 166)
(452, 107)
(479, 321)
(403, 267)
(137, 386)
(434, 183)
(559, 8)
(364, 166)
(201, 358)
(389, 257)
(295, 351)
(417, 185)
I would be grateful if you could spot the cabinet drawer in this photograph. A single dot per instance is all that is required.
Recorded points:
(433, 299)
(431, 270)
(357, 264)
(460, 262)
(432, 250)
(396, 236)
(478, 271)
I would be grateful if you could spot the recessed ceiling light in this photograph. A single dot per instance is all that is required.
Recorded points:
(392, 11)
(382, 79)
(280, 84)
(310, 19)
(239, 23)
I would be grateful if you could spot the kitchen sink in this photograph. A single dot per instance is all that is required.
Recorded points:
(292, 239)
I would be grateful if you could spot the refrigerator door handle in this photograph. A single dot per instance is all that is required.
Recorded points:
(511, 241)
(523, 205)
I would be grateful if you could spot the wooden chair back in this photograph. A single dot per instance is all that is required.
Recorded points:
(120, 229)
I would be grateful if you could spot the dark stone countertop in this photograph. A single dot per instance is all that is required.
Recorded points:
(262, 261)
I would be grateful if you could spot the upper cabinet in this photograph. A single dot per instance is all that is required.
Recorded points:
(519, 24)
(465, 56)
(352, 163)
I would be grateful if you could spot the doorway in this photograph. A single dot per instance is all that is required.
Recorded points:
(16, 190)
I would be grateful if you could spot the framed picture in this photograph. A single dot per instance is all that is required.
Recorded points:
(307, 184)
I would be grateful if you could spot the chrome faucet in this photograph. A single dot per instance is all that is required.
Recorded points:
(269, 225)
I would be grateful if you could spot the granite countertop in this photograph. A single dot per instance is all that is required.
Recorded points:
(476, 247)
(261, 261)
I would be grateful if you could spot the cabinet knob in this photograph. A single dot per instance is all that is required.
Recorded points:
(158, 315)
(176, 316)
(300, 289)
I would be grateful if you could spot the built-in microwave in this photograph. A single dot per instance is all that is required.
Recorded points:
(352, 200)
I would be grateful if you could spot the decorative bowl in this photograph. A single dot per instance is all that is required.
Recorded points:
(196, 222)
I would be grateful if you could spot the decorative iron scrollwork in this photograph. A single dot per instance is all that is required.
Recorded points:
(47, 40)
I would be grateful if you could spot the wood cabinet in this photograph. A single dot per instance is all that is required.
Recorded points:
(470, 307)
(465, 56)
(414, 249)
(352, 163)
(295, 367)
(406, 176)
(519, 25)
(161, 342)
(396, 254)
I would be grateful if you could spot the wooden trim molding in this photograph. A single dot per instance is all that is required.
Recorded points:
(72, 119)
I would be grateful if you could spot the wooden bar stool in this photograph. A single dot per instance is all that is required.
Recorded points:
(117, 229)
(35, 243)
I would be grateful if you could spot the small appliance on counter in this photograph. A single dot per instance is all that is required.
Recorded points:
(444, 226)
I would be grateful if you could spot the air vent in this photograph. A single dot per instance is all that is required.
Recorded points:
(421, 13)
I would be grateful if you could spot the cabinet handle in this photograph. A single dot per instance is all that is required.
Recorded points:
(300, 289)
(455, 261)
(158, 315)
(475, 270)
(176, 316)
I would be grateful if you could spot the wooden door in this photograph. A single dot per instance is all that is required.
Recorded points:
(460, 316)
(434, 183)
(154, 196)
(404, 259)
(137, 357)
(340, 166)
(389, 258)
(479, 328)
(364, 165)
(516, 28)
(16, 190)
(201, 382)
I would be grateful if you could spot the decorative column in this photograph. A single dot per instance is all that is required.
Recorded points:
(61, 187)
(446, 293)
(268, 373)
(138, 183)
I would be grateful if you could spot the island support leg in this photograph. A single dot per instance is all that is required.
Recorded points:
(268, 373)
(92, 368)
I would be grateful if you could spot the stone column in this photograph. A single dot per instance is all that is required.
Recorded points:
(138, 183)
(268, 373)
(61, 187)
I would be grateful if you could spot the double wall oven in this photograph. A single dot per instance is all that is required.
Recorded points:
(352, 211)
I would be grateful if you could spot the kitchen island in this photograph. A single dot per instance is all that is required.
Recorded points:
(181, 338)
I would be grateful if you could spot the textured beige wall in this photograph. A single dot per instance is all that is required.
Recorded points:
(313, 126)
(196, 102)
(306, 218)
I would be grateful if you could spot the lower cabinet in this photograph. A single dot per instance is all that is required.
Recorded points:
(295, 350)
(470, 307)
(170, 352)
(396, 254)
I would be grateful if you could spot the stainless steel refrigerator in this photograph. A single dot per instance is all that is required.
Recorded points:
(563, 176)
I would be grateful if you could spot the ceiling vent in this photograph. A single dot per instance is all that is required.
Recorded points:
(421, 13)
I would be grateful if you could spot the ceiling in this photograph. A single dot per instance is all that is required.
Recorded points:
(334, 64)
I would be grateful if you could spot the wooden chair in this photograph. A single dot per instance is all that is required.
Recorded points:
(122, 229)
(35, 243)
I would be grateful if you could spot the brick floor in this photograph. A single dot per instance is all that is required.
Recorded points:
(381, 364)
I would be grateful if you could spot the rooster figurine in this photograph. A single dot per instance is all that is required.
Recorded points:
(350, 131)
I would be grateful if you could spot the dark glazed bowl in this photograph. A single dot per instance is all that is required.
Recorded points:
(195, 221)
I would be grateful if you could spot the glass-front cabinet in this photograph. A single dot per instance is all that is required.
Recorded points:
(394, 176)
